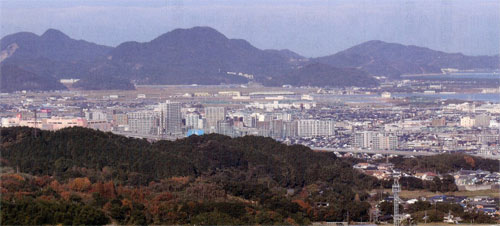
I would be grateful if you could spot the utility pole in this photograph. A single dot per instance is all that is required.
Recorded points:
(396, 188)
(376, 216)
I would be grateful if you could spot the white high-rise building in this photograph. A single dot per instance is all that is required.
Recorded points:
(96, 116)
(482, 120)
(213, 115)
(384, 142)
(375, 140)
(171, 117)
(250, 120)
(225, 127)
(314, 127)
(193, 121)
(467, 122)
(143, 122)
(362, 139)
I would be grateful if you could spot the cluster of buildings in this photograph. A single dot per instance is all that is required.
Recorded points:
(468, 127)
(476, 179)
(484, 204)
(47, 122)
(164, 119)
(375, 140)
(377, 119)
(470, 180)
(408, 116)
(171, 119)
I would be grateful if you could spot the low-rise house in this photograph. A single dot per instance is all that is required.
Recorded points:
(426, 175)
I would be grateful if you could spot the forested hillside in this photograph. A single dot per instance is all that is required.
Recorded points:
(209, 179)
(446, 163)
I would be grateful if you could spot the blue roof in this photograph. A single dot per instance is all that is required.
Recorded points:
(489, 210)
(438, 197)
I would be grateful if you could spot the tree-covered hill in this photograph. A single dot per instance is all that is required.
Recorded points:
(134, 161)
(323, 75)
(13, 78)
(210, 179)
(392, 59)
(446, 163)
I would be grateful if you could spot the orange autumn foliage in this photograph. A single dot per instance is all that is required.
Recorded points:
(55, 186)
(21, 194)
(46, 197)
(250, 210)
(302, 204)
(14, 176)
(126, 202)
(139, 195)
(65, 195)
(80, 184)
(10, 184)
(180, 180)
(163, 197)
(107, 206)
(469, 160)
(110, 190)
(304, 193)
(191, 204)
(106, 190)
(291, 221)
(42, 181)
(97, 188)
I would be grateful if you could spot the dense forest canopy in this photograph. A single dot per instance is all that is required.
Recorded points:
(446, 163)
(72, 152)
(199, 179)
(83, 176)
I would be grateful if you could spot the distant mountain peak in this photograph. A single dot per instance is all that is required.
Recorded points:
(201, 30)
(192, 33)
(54, 35)
(375, 42)
(394, 59)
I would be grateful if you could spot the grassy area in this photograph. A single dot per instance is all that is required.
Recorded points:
(418, 193)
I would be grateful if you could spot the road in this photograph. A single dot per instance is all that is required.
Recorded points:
(406, 153)
(392, 152)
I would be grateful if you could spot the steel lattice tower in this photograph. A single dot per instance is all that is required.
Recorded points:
(396, 188)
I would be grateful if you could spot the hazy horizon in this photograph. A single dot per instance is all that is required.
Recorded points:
(310, 28)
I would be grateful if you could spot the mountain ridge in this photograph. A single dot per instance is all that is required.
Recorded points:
(318, 74)
(203, 55)
(393, 59)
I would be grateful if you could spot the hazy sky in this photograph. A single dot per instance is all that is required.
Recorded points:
(309, 27)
